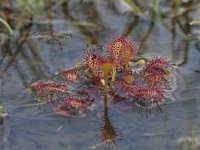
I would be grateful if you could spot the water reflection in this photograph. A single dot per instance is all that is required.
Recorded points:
(12, 55)
(109, 134)
(84, 30)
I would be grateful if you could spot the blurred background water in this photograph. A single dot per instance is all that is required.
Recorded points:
(47, 36)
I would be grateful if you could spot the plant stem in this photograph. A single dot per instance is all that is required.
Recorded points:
(21, 16)
(105, 105)
(106, 69)
(113, 73)
(106, 84)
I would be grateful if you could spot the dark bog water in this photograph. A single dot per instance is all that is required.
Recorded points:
(93, 23)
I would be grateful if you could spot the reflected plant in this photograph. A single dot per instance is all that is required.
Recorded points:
(50, 35)
(109, 134)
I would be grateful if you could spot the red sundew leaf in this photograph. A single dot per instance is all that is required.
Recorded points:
(157, 65)
(74, 106)
(153, 79)
(118, 46)
(49, 87)
(77, 103)
(60, 110)
(156, 72)
(149, 95)
(93, 61)
(121, 49)
(71, 75)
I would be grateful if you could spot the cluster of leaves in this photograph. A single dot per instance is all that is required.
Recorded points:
(109, 71)
(114, 68)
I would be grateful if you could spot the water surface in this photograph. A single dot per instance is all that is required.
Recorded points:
(28, 58)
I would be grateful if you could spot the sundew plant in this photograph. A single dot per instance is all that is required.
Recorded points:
(115, 71)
